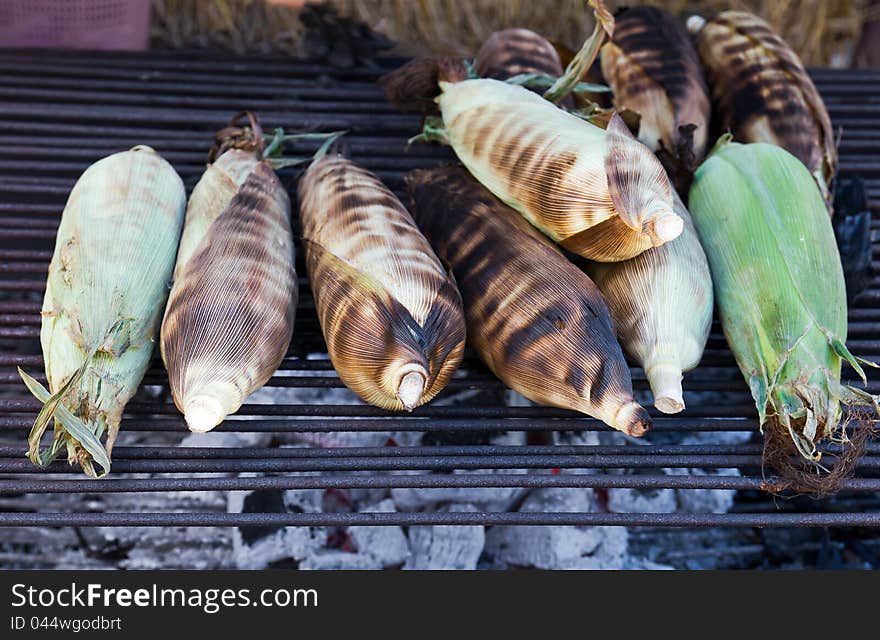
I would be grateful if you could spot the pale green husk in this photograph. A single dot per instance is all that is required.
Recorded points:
(779, 286)
(106, 290)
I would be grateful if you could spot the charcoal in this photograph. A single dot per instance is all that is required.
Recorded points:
(446, 547)
(386, 544)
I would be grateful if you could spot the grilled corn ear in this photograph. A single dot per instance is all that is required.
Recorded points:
(779, 286)
(211, 196)
(390, 314)
(107, 285)
(512, 52)
(537, 321)
(231, 310)
(598, 192)
(762, 91)
(653, 70)
(516, 52)
(661, 303)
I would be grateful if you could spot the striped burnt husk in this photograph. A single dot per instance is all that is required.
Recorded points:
(537, 321)
(210, 197)
(230, 315)
(762, 92)
(653, 69)
(512, 52)
(390, 314)
(598, 192)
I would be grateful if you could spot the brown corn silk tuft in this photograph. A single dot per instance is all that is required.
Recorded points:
(230, 315)
(653, 69)
(414, 87)
(535, 319)
(762, 92)
(386, 305)
(800, 476)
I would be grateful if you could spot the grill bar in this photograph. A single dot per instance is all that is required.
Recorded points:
(293, 425)
(430, 463)
(421, 481)
(487, 518)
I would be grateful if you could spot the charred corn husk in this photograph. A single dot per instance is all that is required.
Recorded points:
(107, 285)
(779, 286)
(535, 319)
(390, 314)
(512, 52)
(598, 192)
(762, 91)
(661, 304)
(231, 310)
(653, 69)
(210, 197)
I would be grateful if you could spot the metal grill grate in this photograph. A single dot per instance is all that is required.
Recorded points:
(59, 112)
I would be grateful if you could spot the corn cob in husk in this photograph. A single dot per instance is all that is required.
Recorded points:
(511, 52)
(780, 289)
(661, 303)
(653, 69)
(762, 92)
(211, 196)
(107, 285)
(535, 319)
(231, 310)
(598, 192)
(390, 314)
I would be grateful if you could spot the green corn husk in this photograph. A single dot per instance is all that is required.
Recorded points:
(780, 290)
(106, 290)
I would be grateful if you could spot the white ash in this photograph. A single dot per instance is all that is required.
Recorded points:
(642, 500)
(445, 547)
(214, 439)
(704, 500)
(367, 496)
(558, 547)
(330, 439)
(510, 439)
(340, 560)
(576, 438)
(259, 547)
(386, 544)
(224, 438)
(489, 499)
